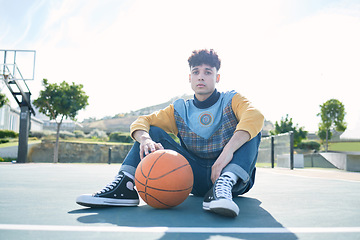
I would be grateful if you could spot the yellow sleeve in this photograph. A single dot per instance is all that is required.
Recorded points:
(163, 119)
(250, 119)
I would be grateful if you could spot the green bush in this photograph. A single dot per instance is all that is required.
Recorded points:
(8, 134)
(79, 134)
(120, 137)
(96, 133)
(310, 145)
(41, 134)
(7, 159)
(66, 134)
(4, 140)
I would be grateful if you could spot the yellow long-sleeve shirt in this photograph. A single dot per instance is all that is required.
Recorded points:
(205, 131)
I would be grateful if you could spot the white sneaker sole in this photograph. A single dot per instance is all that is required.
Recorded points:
(223, 207)
(88, 200)
(206, 206)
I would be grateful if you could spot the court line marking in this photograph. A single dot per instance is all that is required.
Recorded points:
(303, 175)
(65, 228)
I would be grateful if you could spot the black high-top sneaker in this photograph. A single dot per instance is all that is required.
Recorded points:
(120, 192)
(219, 198)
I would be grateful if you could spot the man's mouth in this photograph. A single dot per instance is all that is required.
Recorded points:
(200, 85)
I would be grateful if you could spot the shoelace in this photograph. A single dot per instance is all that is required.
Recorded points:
(111, 186)
(223, 187)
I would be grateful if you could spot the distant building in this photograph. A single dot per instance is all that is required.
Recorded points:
(50, 125)
(66, 125)
(10, 120)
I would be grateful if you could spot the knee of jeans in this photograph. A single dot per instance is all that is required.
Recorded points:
(244, 188)
(258, 138)
(156, 132)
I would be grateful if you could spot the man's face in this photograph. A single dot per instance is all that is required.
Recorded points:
(203, 79)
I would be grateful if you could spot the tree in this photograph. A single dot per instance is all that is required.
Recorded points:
(3, 100)
(59, 102)
(286, 125)
(332, 114)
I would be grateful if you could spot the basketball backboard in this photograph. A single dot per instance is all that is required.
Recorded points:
(19, 64)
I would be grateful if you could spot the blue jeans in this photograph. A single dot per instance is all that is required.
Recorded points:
(242, 164)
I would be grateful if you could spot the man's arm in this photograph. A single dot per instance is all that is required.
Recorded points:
(147, 145)
(140, 127)
(250, 119)
(163, 119)
(236, 141)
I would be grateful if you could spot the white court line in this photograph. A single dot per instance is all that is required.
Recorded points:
(63, 228)
(302, 173)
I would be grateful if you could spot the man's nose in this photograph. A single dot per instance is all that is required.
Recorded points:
(201, 77)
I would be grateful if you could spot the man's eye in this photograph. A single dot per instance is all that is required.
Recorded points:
(196, 72)
(208, 73)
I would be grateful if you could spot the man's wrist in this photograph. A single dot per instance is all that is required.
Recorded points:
(142, 136)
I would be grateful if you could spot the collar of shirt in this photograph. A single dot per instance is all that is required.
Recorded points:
(208, 102)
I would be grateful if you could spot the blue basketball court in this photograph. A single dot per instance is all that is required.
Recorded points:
(38, 202)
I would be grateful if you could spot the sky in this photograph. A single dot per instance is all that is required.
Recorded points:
(285, 56)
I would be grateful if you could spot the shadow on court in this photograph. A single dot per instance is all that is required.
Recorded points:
(187, 214)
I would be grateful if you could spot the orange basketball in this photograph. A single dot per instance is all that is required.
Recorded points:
(164, 179)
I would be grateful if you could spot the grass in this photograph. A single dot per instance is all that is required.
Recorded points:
(264, 165)
(95, 141)
(7, 159)
(345, 146)
(15, 143)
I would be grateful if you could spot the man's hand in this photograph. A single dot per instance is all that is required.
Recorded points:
(236, 141)
(147, 145)
(223, 160)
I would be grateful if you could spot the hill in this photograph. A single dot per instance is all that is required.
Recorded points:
(118, 124)
(122, 121)
(151, 109)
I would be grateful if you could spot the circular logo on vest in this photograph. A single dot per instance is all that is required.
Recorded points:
(206, 119)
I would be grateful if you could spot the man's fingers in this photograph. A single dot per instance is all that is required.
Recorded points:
(148, 148)
(141, 153)
(214, 177)
(159, 146)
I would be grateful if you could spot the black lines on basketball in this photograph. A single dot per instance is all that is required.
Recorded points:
(164, 179)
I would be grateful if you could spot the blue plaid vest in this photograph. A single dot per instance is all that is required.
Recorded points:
(205, 132)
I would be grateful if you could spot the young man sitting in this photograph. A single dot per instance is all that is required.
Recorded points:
(219, 134)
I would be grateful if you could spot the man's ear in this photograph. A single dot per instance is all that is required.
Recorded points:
(218, 78)
(189, 78)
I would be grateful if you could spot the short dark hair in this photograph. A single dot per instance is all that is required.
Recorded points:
(204, 56)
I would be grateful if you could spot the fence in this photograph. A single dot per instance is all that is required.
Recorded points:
(275, 147)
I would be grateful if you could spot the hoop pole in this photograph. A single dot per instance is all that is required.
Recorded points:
(272, 152)
(25, 117)
(291, 150)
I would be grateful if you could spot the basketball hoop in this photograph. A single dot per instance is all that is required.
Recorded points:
(14, 79)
